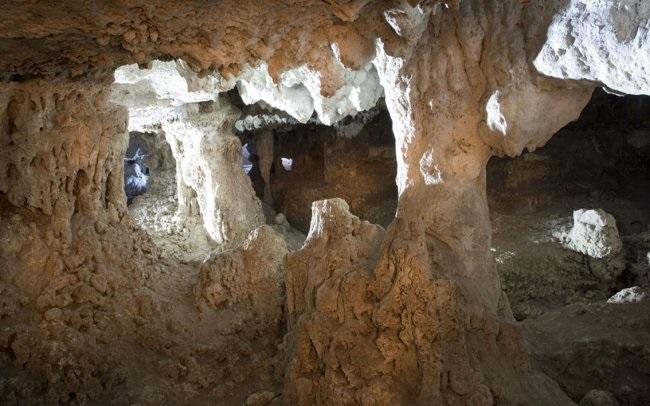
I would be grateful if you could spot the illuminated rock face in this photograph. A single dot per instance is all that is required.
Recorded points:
(413, 314)
(594, 40)
(594, 233)
(198, 125)
(628, 295)
(209, 163)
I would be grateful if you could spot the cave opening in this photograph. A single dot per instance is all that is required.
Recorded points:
(136, 168)
(157, 199)
(151, 189)
(293, 164)
(200, 160)
(599, 164)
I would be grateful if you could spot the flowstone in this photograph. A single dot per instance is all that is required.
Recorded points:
(371, 311)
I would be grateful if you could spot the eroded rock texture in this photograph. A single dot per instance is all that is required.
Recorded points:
(370, 324)
(90, 307)
(248, 279)
(62, 214)
(597, 162)
(414, 314)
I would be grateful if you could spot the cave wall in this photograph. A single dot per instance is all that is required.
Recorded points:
(55, 158)
(89, 309)
(63, 210)
(359, 169)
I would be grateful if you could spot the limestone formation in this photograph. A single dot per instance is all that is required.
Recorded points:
(156, 212)
(628, 295)
(92, 310)
(594, 233)
(208, 169)
(247, 280)
(367, 313)
(593, 40)
(197, 124)
(597, 397)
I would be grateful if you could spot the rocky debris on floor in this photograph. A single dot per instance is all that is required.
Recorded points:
(597, 397)
(628, 295)
(596, 345)
(540, 275)
(594, 233)
(156, 212)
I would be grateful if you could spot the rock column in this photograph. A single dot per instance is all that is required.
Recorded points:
(209, 163)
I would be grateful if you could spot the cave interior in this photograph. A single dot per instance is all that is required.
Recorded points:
(390, 202)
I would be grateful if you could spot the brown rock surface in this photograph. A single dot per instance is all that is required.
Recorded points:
(247, 280)
(605, 346)
(91, 311)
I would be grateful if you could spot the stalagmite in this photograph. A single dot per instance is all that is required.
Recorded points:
(264, 144)
(209, 159)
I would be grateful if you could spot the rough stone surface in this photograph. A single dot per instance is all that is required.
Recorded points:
(364, 318)
(598, 345)
(92, 312)
(84, 290)
(298, 91)
(597, 397)
(628, 295)
(262, 398)
(594, 39)
(594, 233)
(247, 280)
